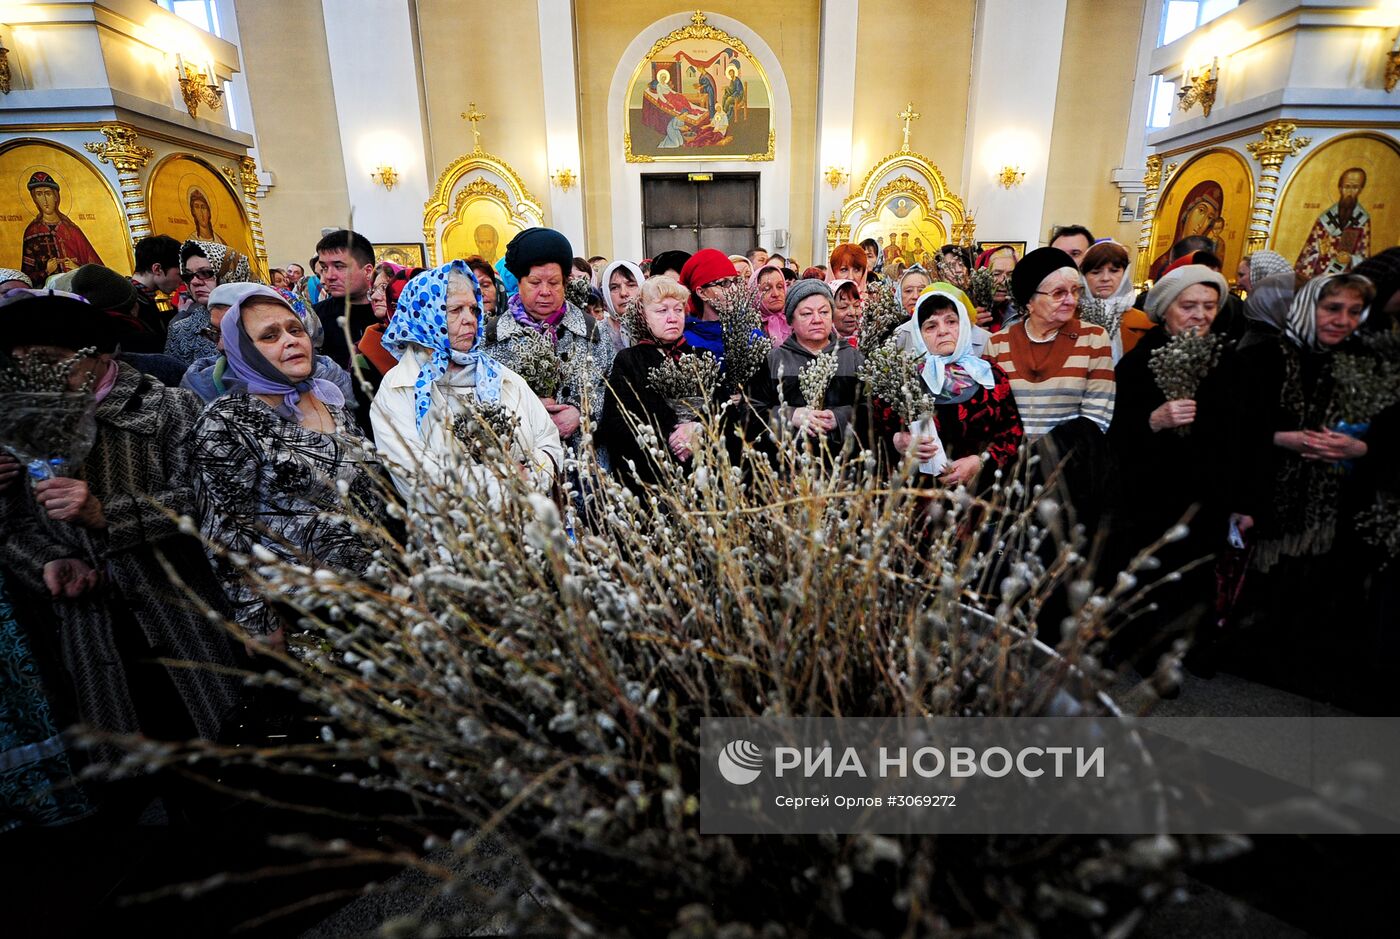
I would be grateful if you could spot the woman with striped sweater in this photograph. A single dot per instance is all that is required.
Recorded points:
(1061, 372)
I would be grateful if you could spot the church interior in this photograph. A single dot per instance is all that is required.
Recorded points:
(1230, 138)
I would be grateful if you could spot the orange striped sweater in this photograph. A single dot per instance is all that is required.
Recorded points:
(1053, 382)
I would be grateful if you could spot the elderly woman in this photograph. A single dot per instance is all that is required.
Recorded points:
(203, 266)
(441, 372)
(706, 274)
(1109, 298)
(1170, 451)
(208, 377)
(541, 259)
(1257, 265)
(912, 284)
(622, 281)
(89, 550)
(975, 415)
(849, 262)
(493, 292)
(278, 463)
(809, 309)
(845, 315)
(388, 284)
(770, 290)
(1061, 369)
(1312, 443)
(1000, 261)
(633, 404)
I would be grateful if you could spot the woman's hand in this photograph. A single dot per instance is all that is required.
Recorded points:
(681, 439)
(924, 448)
(70, 500)
(69, 577)
(9, 471)
(566, 417)
(1177, 413)
(984, 316)
(1332, 446)
(813, 422)
(962, 471)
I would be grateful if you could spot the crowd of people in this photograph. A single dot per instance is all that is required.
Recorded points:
(1266, 420)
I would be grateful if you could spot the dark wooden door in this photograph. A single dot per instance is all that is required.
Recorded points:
(680, 214)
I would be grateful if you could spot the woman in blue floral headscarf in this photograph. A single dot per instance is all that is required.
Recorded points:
(436, 334)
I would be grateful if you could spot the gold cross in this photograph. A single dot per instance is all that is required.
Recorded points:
(475, 116)
(907, 115)
(698, 18)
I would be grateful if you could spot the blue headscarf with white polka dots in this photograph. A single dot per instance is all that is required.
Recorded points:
(421, 319)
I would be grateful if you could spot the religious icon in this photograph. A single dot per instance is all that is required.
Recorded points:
(487, 240)
(190, 200)
(1211, 196)
(52, 243)
(1335, 209)
(57, 213)
(481, 227)
(404, 255)
(699, 95)
(203, 216)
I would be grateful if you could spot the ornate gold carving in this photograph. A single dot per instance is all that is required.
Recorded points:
(231, 173)
(936, 199)
(478, 187)
(699, 29)
(1392, 70)
(771, 152)
(901, 185)
(519, 202)
(199, 86)
(1153, 177)
(248, 176)
(1278, 143)
(128, 157)
(627, 150)
(5, 68)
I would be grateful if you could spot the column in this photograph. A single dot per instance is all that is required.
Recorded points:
(1278, 144)
(248, 176)
(1128, 176)
(1011, 113)
(1152, 187)
(559, 66)
(377, 104)
(836, 102)
(123, 152)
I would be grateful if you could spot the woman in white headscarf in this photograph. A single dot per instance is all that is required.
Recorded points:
(621, 283)
(975, 415)
(1109, 297)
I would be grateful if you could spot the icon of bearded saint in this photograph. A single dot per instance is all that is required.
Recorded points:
(1340, 239)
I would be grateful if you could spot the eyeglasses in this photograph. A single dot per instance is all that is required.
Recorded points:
(190, 277)
(721, 283)
(1061, 294)
(379, 291)
(211, 332)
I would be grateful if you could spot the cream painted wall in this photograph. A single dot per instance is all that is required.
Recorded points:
(913, 52)
(490, 56)
(607, 27)
(289, 81)
(1091, 117)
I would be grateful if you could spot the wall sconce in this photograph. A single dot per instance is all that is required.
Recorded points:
(1010, 177)
(564, 179)
(4, 68)
(1392, 67)
(386, 176)
(836, 175)
(198, 86)
(1200, 87)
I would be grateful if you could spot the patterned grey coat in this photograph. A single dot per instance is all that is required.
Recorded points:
(138, 468)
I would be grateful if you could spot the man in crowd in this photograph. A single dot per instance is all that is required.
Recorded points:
(1073, 240)
(157, 272)
(346, 260)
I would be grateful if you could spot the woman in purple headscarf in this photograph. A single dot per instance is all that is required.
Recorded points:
(279, 461)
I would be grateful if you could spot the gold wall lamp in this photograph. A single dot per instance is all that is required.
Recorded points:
(1010, 177)
(1200, 87)
(198, 85)
(4, 67)
(564, 179)
(836, 175)
(386, 176)
(1392, 67)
